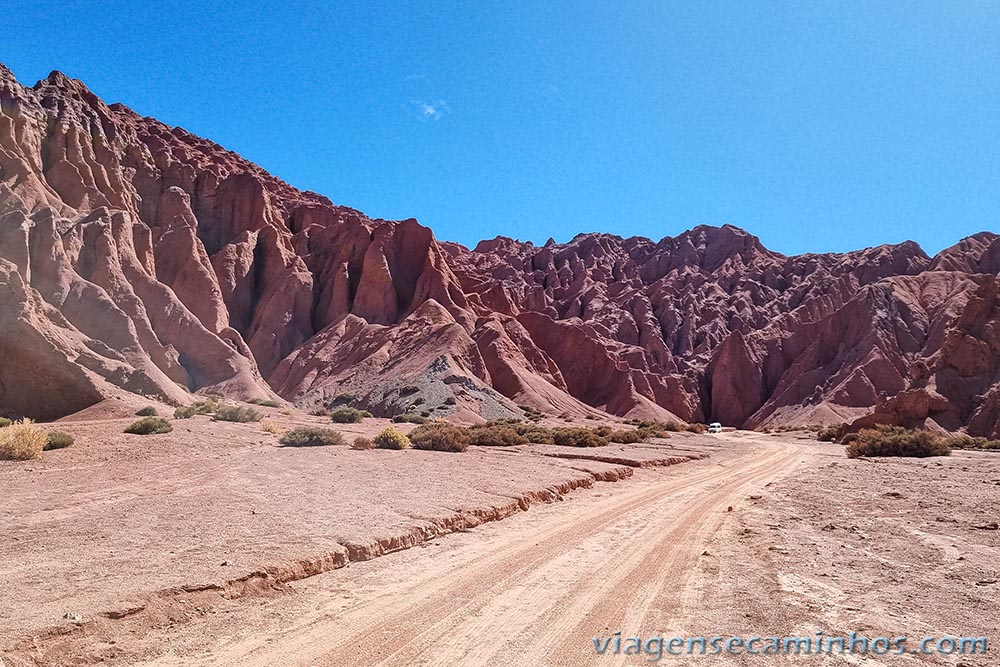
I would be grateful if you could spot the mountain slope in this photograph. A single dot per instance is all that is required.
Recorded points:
(136, 257)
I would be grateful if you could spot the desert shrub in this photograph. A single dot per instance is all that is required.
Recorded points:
(236, 413)
(669, 427)
(5, 422)
(58, 440)
(695, 428)
(264, 402)
(390, 438)
(311, 436)
(320, 412)
(203, 407)
(185, 412)
(270, 426)
(440, 437)
(592, 417)
(578, 437)
(149, 426)
(21, 441)
(827, 433)
(536, 434)
(348, 415)
(969, 442)
(148, 411)
(496, 436)
(628, 436)
(896, 441)
(346, 397)
(409, 418)
(362, 442)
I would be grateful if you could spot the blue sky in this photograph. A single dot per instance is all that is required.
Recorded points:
(818, 126)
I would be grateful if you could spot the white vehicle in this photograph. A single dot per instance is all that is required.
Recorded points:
(715, 427)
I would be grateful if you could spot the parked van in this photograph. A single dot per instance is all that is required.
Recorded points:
(715, 427)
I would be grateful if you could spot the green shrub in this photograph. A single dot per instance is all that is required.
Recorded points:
(827, 433)
(310, 436)
(148, 411)
(896, 441)
(58, 440)
(264, 402)
(21, 441)
(149, 426)
(390, 438)
(362, 442)
(409, 418)
(348, 415)
(440, 437)
(236, 413)
(578, 437)
(5, 422)
(496, 436)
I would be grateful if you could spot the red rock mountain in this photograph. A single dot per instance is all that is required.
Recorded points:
(136, 257)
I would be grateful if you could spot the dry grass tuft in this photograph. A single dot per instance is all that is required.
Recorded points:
(270, 426)
(362, 442)
(22, 441)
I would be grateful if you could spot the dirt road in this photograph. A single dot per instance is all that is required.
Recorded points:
(526, 593)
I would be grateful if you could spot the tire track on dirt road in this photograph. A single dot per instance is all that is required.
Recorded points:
(538, 597)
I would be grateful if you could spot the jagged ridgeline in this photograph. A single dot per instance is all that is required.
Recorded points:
(136, 257)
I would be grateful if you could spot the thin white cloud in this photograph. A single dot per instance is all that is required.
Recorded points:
(430, 110)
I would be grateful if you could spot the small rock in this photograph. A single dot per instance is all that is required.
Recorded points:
(829, 527)
(986, 582)
(705, 553)
(73, 617)
(893, 494)
(224, 563)
(756, 497)
(729, 509)
(988, 526)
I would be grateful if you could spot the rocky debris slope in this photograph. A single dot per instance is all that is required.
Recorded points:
(136, 257)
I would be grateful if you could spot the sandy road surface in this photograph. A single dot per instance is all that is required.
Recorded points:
(531, 594)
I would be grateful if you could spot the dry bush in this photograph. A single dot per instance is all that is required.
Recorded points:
(58, 440)
(409, 418)
(311, 436)
(536, 434)
(21, 441)
(270, 426)
(148, 411)
(264, 402)
(696, 428)
(235, 413)
(629, 436)
(362, 442)
(827, 433)
(348, 415)
(149, 426)
(203, 407)
(390, 438)
(896, 441)
(970, 442)
(496, 436)
(440, 437)
(578, 437)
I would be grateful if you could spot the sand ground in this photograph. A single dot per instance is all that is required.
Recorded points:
(245, 553)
